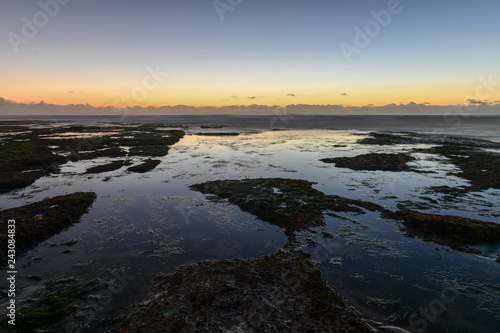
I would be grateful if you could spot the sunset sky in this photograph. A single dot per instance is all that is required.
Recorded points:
(249, 52)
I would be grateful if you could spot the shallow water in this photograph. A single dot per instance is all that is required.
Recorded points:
(144, 224)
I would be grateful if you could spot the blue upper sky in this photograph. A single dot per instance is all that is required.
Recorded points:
(263, 52)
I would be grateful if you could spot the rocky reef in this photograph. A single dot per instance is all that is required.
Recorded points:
(280, 292)
(295, 205)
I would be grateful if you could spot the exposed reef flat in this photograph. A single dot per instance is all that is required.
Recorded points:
(295, 205)
(29, 151)
(280, 292)
(392, 138)
(38, 221)
(23, 162)
(374, 161)
(480, 167)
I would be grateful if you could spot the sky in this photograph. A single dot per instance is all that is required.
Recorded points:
(200, 53)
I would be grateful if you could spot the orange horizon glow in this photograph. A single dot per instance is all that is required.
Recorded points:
(103, 100)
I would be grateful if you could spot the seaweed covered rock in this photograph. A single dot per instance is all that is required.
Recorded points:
(480, 167)
(280, 292)
(16, 156)
(14, 180)
(392, 138)
(38, 221)
(453, 231)
(373, 161)
(292, 204)
(148, 141)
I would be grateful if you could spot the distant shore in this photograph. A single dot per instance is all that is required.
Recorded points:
(454, 124)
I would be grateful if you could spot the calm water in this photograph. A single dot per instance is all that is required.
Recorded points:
(144, 224)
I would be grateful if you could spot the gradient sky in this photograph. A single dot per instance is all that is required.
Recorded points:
(263, 52)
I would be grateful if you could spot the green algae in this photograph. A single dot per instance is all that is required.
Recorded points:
(44, 311)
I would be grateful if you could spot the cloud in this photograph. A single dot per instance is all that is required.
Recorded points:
(476, 102)
(8, 107)
(71, 92)
(343, 94)
(291, 95)
(234, 96)
(4, 102)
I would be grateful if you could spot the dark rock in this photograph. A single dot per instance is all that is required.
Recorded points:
(373, 161)
(106, 167)
(38, 221)
(148, 165)
(281, 292)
